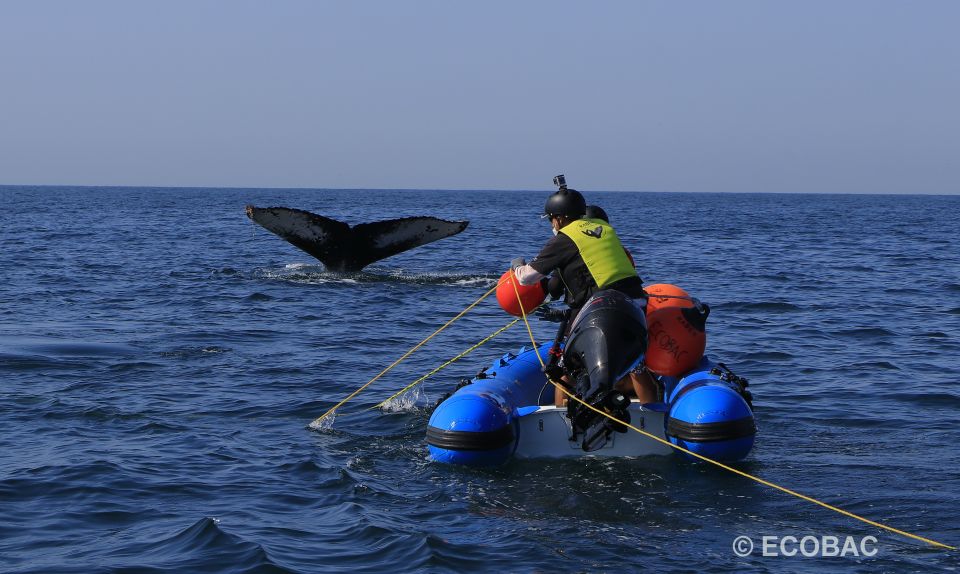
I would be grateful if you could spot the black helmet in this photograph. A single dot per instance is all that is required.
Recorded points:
(566, 202)
(597, 212)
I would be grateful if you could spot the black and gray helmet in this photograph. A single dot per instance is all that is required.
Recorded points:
(597, 212)
(566, 202)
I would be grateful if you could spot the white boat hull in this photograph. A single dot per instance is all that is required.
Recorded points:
(546, 432)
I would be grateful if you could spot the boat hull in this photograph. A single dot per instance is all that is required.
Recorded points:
(507, 412)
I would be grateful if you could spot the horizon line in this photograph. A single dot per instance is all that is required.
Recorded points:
(404, 189)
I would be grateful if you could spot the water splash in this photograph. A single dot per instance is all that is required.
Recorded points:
(323, 424)
(407, 402)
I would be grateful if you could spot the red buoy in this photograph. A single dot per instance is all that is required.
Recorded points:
(669, 296)
(530, 296)
(677, 339)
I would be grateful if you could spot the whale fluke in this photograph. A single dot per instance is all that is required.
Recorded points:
(343, 248)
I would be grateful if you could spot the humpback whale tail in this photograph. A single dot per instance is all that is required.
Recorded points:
(343, 248)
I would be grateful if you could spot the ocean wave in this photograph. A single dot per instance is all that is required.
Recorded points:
(134, 366)
(255, 297)
(856, 268)
(156, 426)
(62, 410)
(860, 368)
(317, 275)
(934, 399)
(204, 546)
(29, 362)
(767, 356)
(55, 347)
(933, 335)
(194, 352)
(864, 332)
(757, 306)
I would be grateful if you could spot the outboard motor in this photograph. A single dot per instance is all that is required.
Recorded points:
(608, 339)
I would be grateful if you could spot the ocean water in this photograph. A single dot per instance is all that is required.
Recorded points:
(161, 358)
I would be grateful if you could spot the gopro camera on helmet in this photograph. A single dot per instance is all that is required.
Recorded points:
(560, 181)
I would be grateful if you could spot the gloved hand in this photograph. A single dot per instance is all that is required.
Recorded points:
(553, 315)
(517, 262)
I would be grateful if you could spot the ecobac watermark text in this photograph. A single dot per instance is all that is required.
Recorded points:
(808, 546)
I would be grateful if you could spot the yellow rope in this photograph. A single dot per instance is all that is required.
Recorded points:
(405, 355)
(720, 464)
(448, 363)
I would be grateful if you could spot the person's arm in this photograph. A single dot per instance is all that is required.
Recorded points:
(527, 275)
(553, 256)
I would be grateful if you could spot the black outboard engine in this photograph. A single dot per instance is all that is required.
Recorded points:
(607, 340)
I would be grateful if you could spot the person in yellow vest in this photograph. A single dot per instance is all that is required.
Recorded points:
(554, 286)
(587, 256)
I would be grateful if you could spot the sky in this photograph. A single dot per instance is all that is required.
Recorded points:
(838, 96)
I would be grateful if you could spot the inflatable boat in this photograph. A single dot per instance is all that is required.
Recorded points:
(507, 410)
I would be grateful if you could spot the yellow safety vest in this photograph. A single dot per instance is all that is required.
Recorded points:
(601, 250)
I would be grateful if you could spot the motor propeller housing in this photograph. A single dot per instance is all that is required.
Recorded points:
(608, 339)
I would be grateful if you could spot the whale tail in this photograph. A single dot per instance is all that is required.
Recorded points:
(341, 247)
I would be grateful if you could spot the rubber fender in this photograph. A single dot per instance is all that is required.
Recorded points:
(711, 419)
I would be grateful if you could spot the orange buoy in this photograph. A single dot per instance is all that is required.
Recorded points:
(666, 295)
(677, 339)
(530, 295)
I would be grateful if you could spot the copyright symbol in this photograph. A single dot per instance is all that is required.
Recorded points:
(742, 546)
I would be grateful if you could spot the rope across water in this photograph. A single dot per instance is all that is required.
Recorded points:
(571, 396)
(447, 364)
(319, 419)
(759, 480)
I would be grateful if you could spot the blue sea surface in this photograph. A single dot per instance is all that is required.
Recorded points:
(161, 358)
